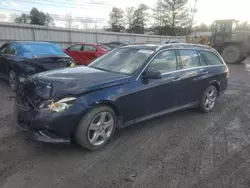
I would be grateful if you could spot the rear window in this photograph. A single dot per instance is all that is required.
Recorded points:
(189, 59)
(39, 49)
(210, 58)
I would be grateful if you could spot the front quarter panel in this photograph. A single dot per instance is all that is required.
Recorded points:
(128, 100)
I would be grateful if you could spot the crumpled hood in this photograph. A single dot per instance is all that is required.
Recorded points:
(74, 81)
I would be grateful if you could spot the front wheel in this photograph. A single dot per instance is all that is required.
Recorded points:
(96, 128)
(208, 99)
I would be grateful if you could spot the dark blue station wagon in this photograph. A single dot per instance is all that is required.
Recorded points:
(125, 86)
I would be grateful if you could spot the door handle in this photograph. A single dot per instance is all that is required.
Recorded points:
(176, 79)
(204, 71)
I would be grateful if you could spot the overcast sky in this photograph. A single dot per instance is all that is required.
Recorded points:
(208, 10)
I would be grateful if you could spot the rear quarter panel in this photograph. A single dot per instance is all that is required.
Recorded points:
(217, 75)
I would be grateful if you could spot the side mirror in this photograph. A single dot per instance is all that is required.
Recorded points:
(152, 74)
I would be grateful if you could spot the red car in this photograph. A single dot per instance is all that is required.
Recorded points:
(84, 53)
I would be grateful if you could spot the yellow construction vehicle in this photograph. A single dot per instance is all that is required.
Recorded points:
(232, 44)
(197, 40)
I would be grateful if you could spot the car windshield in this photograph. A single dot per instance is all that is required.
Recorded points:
(39, 49)
(106, 48)
(122, 60)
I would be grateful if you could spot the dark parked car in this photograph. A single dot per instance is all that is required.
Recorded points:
(173, 41)
(116, 44)
(18, 60)
(84, 53)
(125, 86)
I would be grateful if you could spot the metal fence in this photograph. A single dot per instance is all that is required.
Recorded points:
(66, 37)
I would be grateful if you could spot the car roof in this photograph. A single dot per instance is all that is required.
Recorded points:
(143, 46)
(84, 43)
(170, 46)
(185, 46)
(29, 42)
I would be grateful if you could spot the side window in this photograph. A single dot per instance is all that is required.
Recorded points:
(189, 58)
(10, 49)
(164, 62)
(202, 60)
(210, 58)
(75, 48)
(3, 48)
(89, 48)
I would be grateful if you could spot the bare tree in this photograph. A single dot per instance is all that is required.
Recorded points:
(86, 22)
(69, 20)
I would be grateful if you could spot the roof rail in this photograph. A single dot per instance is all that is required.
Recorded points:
(183, 45)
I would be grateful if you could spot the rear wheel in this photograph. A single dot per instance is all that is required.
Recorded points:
(208, 99)
(232, 54)
(13, 80)
(96, 128)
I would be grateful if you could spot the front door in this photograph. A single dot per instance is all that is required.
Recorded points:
(146, 97)
(193, 71)
(165, 91)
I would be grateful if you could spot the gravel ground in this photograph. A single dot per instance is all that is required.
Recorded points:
(185, 149)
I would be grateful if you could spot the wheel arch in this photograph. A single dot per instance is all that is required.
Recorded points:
(216, 84)
(111, 104)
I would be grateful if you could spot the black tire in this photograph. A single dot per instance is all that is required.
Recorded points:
(203, 102)
(82, 130)
(232, 54)
(242, 58)
(13, 80)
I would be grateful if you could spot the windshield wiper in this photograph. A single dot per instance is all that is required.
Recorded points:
(108, 70)
(99, 68)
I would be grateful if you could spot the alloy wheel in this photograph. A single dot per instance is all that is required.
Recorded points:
(210, 99)
(101, 128)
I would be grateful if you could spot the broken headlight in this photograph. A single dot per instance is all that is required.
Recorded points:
(59, 105)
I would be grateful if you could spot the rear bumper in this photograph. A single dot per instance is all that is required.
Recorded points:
(223, 87)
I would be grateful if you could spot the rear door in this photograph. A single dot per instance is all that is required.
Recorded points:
(217, 70)
(76, 53)
(3, 58)
(89, 53)
(193, 74)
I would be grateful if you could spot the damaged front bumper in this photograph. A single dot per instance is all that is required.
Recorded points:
(46, 126)
(42, 136)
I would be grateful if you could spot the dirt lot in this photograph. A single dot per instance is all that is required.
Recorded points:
(185, 149)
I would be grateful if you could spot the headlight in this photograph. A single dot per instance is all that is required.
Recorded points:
(58, 106)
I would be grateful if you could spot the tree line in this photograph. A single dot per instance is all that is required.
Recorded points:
(35, 17)
(168, 17)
